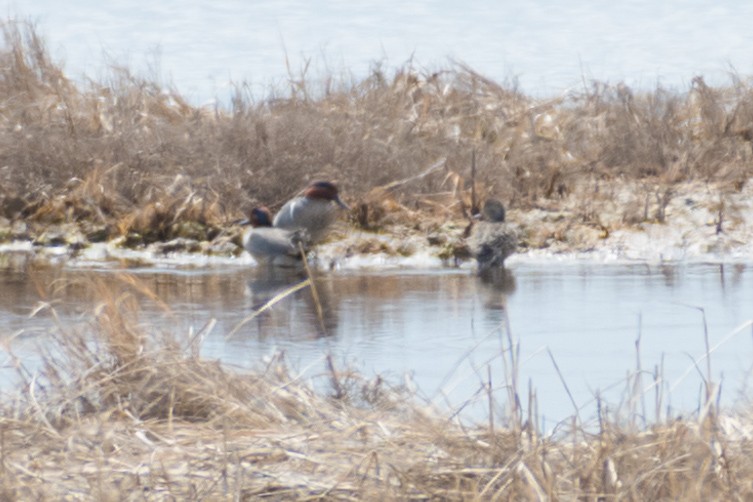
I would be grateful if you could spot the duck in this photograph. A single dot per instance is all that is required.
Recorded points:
(492, 240)
(314, 210)
(274, 246)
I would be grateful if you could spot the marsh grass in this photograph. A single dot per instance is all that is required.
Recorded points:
(128, 155)
(116, 410)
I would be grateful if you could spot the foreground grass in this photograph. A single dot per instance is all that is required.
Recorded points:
(129, 157)
(118, 412)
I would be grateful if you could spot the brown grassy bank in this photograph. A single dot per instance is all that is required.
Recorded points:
(118, 412)
(128, 156)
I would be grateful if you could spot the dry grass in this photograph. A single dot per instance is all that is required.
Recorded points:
(117, 412)
(128, 155)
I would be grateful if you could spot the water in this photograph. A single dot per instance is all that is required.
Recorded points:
(444, 331)
(444, 327)
(549, 46)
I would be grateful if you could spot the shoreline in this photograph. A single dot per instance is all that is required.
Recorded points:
(697, 225)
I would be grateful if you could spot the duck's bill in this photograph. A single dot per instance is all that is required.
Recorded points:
(342, 204)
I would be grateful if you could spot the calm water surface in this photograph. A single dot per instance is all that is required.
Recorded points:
(444, 330)
(549, 46)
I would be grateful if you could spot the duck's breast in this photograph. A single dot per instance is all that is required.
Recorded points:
(265, 243)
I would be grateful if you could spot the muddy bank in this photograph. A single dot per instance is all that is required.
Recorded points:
(625, 222)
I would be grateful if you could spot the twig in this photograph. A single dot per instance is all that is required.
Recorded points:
(491, 400)
(709, 349)
(720, 222)
(38, 408)
(564, 384)
(314, 292)
(194, 342)
(638, 386)
(513, 388)
(394, 185)
(339, 391)
(278, 297)
(474, 205)
(659, 383)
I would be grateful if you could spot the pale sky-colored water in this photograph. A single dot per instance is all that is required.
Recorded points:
(549, 46)
(447, 329)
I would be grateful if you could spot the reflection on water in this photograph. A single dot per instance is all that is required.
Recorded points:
(442, 330)
(496, 285)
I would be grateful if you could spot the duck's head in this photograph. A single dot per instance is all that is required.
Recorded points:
(260, 217)
(324, 190)
(493, 211)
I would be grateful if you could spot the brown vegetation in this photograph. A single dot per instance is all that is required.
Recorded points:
(115, 412)
(128, 156)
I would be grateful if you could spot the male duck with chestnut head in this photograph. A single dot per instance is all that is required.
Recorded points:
(314, 210)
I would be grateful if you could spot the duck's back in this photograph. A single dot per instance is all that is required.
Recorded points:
(312, 215)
